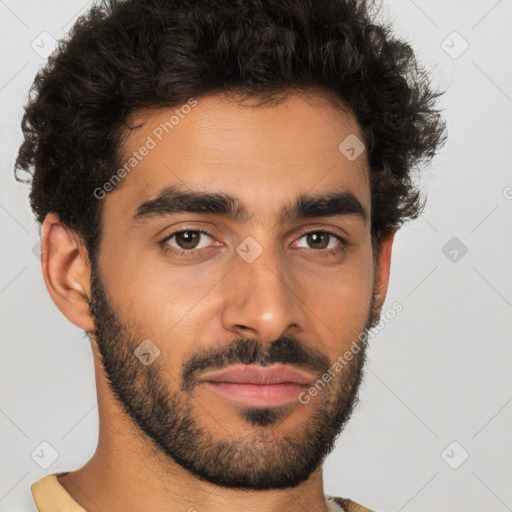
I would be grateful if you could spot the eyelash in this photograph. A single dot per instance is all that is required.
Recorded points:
(192, 252)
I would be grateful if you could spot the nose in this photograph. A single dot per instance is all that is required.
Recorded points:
(263, 299)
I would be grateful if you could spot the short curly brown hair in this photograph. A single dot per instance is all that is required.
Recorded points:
(125, 55)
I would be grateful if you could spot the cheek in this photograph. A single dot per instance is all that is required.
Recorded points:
(339, 300)
(165, 303)
(168, 303)
(347, 284)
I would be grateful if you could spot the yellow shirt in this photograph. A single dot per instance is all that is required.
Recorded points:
(50, 496)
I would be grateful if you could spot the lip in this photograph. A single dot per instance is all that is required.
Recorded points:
(257, 374)
(258, 385)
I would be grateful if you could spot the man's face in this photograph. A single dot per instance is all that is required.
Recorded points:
(258, 289)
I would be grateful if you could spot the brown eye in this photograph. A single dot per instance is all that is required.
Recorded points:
(318, 240)
(321, 240)
(188, 240)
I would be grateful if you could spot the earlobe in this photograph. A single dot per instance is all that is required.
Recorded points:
(66, 271)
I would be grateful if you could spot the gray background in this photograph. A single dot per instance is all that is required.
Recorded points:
(438, 373)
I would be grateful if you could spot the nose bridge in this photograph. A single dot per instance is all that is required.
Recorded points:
(261, 300)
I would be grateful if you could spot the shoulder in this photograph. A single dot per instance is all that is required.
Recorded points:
(349, 505)
(50, 496)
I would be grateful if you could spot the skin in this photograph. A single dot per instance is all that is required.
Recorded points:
(266, 156)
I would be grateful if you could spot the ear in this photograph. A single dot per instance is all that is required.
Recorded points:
(382, 268)
(66, 271)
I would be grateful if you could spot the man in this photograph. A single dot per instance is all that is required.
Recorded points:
(219, 184)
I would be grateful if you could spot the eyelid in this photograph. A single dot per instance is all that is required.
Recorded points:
(341, 239)
(192, 252)
(313, 229)
(323, 230)
(194, 230)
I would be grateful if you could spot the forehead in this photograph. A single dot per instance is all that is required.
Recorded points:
(265, 154)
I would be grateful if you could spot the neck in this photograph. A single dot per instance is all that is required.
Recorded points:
(101, 485)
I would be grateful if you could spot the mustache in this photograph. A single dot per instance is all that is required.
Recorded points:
(285, 350)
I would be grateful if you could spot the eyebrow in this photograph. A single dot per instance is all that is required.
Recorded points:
(173, 200)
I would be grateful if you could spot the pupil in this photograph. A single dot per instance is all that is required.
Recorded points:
(313, 239)
(189, 239)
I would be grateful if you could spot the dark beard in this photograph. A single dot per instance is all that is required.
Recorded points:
(260, 459)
